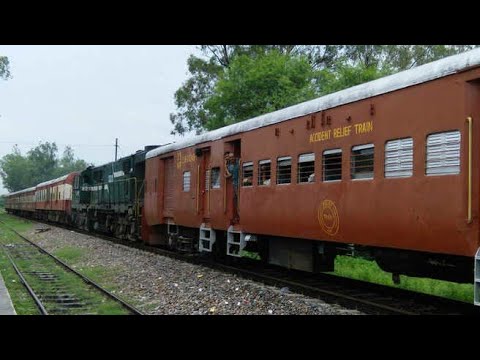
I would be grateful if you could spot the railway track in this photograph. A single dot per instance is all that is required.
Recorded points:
(350, 293)
(55, 287)
(367, 297)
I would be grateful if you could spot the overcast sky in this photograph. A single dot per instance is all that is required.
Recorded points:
(86, 96)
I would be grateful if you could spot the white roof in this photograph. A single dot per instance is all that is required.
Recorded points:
(21, 191)
(53, 181)
(418, 75)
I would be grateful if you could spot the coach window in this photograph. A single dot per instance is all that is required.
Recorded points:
(186, 181)
(264, 172)
(443, 153)
(332, 165)
(362, 161)
(306, 168)
(284, 170)
(215, 174)
(247, 174)
(399, 158)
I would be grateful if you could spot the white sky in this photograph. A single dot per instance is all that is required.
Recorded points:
(86, 96)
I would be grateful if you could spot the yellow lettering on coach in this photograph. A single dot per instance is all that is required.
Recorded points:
(342, 131)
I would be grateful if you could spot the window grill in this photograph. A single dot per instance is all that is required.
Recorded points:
(264, 172)
(207, 180)
(284, 170)
(332, 165)
(306, 168)
(247, 174)
(399, 158)
(215, 178)
(443, 153)
(186, 181)
(362, 161)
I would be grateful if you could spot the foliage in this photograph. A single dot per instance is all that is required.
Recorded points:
(231, 83)
(40, 164)
(346, 76)
(4, 68)
(251, 87)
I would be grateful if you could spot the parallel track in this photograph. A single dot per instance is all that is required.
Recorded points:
(354, 294)
(56, 296)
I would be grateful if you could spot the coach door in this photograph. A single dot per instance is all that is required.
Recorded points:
(169, 188)
(232, 188)
(205, 183)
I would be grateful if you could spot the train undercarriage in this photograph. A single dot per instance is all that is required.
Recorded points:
(311, 256)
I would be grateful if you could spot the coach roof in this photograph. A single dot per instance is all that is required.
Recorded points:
(21, 191)
(418, 75)
(61, 178)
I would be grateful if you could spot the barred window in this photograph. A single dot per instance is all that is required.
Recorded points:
(186, 181)
(207, 180)
(362, 161)
(215, 176)
(443, 153)
(306, 168)
(264, 172)
(284, 170)
(399, 158)
(247, 174)
(332, 165)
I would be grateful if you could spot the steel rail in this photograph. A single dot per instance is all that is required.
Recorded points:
(32, 293)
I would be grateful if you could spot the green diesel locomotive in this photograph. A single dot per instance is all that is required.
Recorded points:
(109, 198)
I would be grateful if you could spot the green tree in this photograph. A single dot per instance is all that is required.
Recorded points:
(68, 163)
(395, 58)
(346, 76)
(205, 101)
(40, 164)
(4, 68)
(16, 171)
(250, 87)
(44, 162)
(191, 97)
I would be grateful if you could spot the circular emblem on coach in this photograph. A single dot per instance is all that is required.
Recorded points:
(328, 217)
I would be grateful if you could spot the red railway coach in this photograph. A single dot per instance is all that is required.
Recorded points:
(54, 199)
(21, 202)
(390, 166)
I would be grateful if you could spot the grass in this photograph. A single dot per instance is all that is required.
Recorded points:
(21, 299)
(70, 254)
(361, 269)
(19, 224)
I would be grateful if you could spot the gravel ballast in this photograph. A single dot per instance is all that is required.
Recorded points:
(160, 285)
